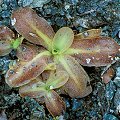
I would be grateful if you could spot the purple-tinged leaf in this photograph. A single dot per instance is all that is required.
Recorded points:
(92, 33)
(6, 33)
(27, 51)
(27, 71)
(78, 84)
(34, 89)
(34, 28)
(100, 51)
(54, 103)
(5, 48)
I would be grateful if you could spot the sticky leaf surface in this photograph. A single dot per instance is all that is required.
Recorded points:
(27, 71)
(92, 33)
(57, 79)
(62, 40)
(6, 33)
(34, 89)
(99, 51)
(34, 28)
(5, 48)
(54, 103)
(77, 85)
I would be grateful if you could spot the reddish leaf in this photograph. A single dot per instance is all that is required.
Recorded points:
(78, 84)
(45, 75)
(34, 89)
(37, 89)
(54, 103)
(26, 52)
(99, 51)
(108, 75)
(34, 28)
(27, 71)
(6, 33)
(5, 36)
(92, 33)
(5, 48)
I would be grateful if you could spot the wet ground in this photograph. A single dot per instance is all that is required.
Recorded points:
(80, 15)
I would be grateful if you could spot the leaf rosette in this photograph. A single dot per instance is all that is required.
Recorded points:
(62, 51)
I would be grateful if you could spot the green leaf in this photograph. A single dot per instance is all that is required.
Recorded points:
(57, 79)
(51, 66)
(62, 40)
(17, 42)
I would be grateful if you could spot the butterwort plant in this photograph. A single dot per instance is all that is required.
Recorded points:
(44, 91)
(60, 51)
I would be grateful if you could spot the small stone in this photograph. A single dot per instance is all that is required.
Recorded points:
(81, 9)
(48, 11)
(118, 72)
(32, 3)
(117, 81)
(13, 21)
(109, 117)
(39, 3)
(25, 3)
(110, 90)
(67, 7)
(117, 100)
(5, 14)
(54, 10)
(88, 60)
(119, 34)
(60, 21)
(51, 87)
(76, 104)
(67, 103)
(82, 22)
(73, 2)
(4, 64)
